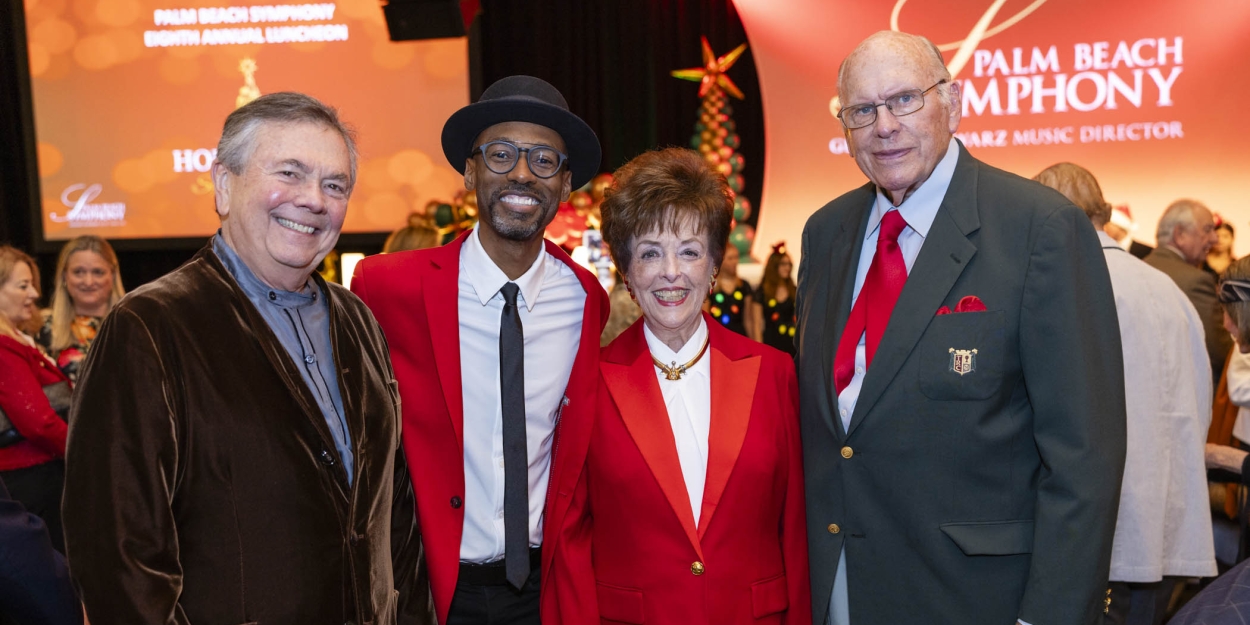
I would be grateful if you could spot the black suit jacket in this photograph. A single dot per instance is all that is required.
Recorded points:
(975, 498)
(34, 581)
(1139, 249)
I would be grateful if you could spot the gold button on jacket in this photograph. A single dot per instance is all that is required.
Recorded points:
(847, 452)
(697, 568)
(834, 529)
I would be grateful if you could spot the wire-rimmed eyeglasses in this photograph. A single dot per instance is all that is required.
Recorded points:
(501, 157)
(903, 103)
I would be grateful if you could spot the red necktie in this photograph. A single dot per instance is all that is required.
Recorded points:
(886, 276)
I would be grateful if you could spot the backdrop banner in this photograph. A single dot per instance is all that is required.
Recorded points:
(1149, 95)
(130, 97)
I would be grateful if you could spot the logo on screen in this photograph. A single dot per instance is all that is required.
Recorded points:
(84, 213)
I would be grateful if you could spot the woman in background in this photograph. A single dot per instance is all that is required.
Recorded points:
(88, 285)
(35, 327)
(417, 235)
(32, 451)
(731, 301)
(1221, 254)
(775, 305)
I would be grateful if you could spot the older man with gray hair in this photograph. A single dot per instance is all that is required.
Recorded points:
(961, 402)
(232, 452)
(1186, 232)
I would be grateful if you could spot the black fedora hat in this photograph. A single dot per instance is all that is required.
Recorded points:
(523, 99)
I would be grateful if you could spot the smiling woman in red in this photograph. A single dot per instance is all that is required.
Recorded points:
(32, 452)
(690, 508)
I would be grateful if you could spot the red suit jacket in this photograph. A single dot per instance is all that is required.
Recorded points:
(634, 554)
(414, 297)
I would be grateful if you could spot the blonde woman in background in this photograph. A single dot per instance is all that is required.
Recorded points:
(88, 285)
(417, 235)
(32, 437)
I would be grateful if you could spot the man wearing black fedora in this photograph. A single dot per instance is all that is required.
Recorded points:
(495, 342)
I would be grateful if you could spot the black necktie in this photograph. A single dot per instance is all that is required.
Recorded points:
(516, 507)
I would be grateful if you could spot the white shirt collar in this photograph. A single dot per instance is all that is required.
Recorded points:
(487, 278)
(688, 351)
(921, 207)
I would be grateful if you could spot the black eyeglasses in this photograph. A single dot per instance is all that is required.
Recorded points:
(1233, 291)
(903, 103)
(501, 157)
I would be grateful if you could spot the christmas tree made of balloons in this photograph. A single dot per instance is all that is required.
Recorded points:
(715, 135)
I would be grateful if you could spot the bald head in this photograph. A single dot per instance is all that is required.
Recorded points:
(918, 48)
(903, 80)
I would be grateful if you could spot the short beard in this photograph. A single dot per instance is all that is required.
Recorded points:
(515, 230)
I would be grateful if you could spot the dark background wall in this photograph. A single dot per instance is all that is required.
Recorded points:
(610, 58)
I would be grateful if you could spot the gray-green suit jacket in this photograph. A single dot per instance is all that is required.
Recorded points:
(979, 498)
(1200, 287)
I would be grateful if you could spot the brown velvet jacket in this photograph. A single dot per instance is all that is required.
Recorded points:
(202, 485)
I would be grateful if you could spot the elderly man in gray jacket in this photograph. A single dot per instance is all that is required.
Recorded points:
(1186, 233)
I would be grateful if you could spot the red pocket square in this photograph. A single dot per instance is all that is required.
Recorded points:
(969, 303)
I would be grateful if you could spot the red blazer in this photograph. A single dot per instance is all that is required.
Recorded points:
(414, 297)
(634, 555)
(23, 374)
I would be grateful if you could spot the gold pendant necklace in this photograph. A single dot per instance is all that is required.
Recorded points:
(675, 371)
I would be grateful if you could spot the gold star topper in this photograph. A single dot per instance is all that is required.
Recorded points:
(712, 74)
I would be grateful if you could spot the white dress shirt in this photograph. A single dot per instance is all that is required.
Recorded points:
(1164, 522)
(689, 405)
(918, 211)
(551, 303)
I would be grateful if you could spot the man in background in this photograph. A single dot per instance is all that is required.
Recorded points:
(1121, 227)
(1163, 530)
(1185, 235)
(34, 581)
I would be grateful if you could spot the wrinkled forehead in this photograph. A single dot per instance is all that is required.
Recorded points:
(303, 141)
(886, 65)
(1203, 218)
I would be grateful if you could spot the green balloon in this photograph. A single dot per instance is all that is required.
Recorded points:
(742, 208)
(733, 140)
(735, 182)
(443, 215)
(741, 237)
